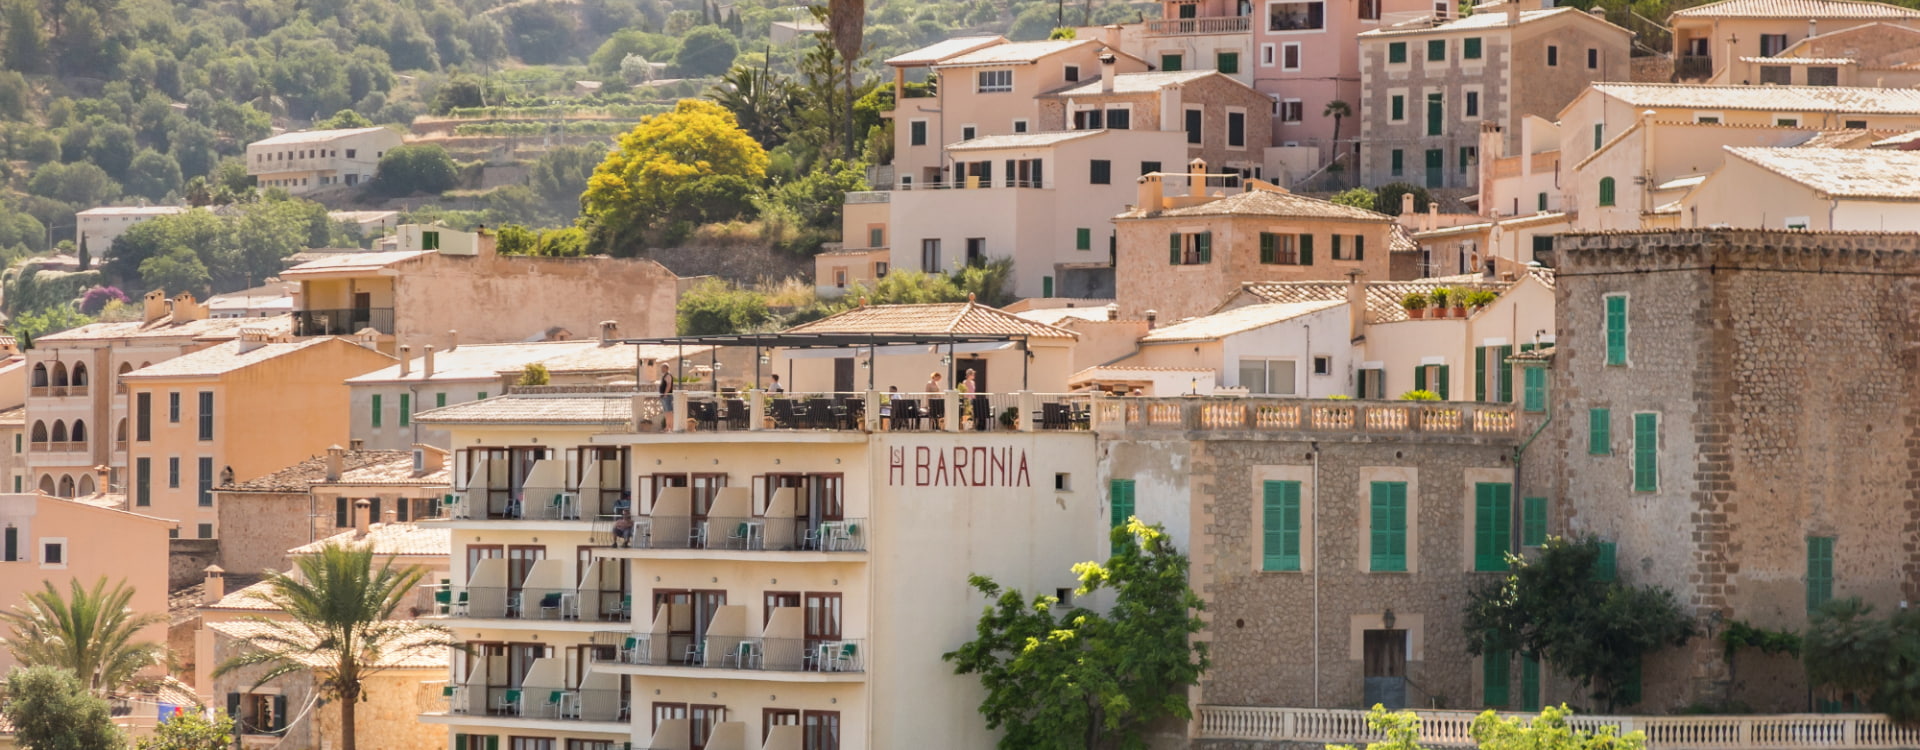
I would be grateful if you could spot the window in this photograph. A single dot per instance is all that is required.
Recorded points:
(1296, 16)
(1492, 526)
(1292, 112)
(1436, 115)
(1290, 56)
(1083, 239)
(378, 410)
(1778, 75)
(1707, 118)
(1322, 364)
(10, 551)
(1856, 124)
(173, 472)
(1369, 10)
(173, 407)
(1606, 191)
(1599, 431)
(917, 133)
(1436, 50)
(876, 237)
(1280, 249)
(1193, 123)
(205, 531)
(143, 481)
(429, 240)
(1553, 55)
(1533, 389)
(1470, 48)
(1435, 378)
(1266, 55)
(1772, 44)
(1071, 73)
(1120, 501)
(1062, 481)
(1387, 528)
(1529, 683)
(1236, 130)
(1268, 377)
(1396, 52)
(1599, 135)
(1536, 240)
(967, 132)
(995, 81)
(929, 259)
(142, 417)
(1020, 125)
(1819, 571)
(1170, 63)
(1191, 249)
(1397, 110)
(1646, 452)
(1100, 172)
(1823, 75)
(1606, 568)
(1495, 669)
(1149, 167)
(1357, 250)
(53, 553)
(1227, 62)
(206, 482)
(1469, 156)
(206, 415)
(1119, 118)
(406, 409)
(1785, 121)
(1280, 526)
(1533, 521)
(1473, 104)
(1399, 162)
(1616, 322)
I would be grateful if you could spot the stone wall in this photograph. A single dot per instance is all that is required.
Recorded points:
(257, 529)
(187, 561)
(493, 298)
(389, 718)
(1781, 365)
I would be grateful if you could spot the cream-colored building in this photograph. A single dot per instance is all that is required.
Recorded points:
(53, 540)
(96, 228)
(863, 258)
(1027, 356)
(1510, 243)
(1224, 120)
(1522, 179)
(1878, 54)
(264, 301)
(385, 400)
(1852, 190)
(441, 287)
(319, 497)
(310, 161)
(75, 387)
(1710, 39)
(766, 597)
(232, 412)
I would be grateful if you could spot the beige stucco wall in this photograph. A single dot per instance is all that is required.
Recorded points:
(1145, 281)
(98, 543)
(1165, 110)
(1045, 372)
(490, 298)
(1729, 39)
(299, 167)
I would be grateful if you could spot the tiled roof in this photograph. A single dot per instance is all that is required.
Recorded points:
(1014, 53)
(1237, 320)
(398, 472)
(250, 598)
(1400, 239)
(571, 408)
(16, 416)
(1491, 18)
(299, 478)
(107, 500)
(1795, 9)
(164, 327)
(313, 136)
(351, 262)
(945, 317)
(389, 539)
(475, 361)
(1799, 60)
(220, 359)
(1897, 140)
(133, 211)
(616, 358)
(1054, 316)
(1838, 139)
(1022, 140)
(1258, 202)
(1879, 174)
(938, 51)
(1383, 298)
(421, 645)
(1835, 99)
(1135, 83)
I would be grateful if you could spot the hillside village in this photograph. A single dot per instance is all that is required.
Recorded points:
(1320, 365)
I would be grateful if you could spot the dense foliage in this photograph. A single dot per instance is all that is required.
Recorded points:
(92, 633)
(672, 167)
(191, 731)
(51, 710)
(1854, 658)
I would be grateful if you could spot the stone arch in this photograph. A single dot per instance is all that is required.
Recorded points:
(46, 484)
(80, 373)
(59, 434)
(39, 432)
(125, 367)
(59, 374)
(39, 374)
(120, 433)
(66, 485)
(79, 434)
(86, 485)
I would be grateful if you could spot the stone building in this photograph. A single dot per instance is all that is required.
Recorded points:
(1738, 420)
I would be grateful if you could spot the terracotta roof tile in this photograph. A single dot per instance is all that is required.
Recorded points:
(1258, 202)
(220, 359)
(1134, 83)
(1879, 174)
(14, 416)
(1835, 99)
(1795, 9)
(420, 647)
(164, 327)
(300, 478)
(351, 262)
(571, 408)
(1237, 320)
(389, 539)
(945, 317)
(1383, 298)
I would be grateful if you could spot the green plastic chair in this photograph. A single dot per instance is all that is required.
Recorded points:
(510, 701)
(847, 653)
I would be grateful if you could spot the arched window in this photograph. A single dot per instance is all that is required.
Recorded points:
(79, 374)
(59, 431)
(40, 375)
(39, 432)
(1606, 191)
(125, 367)
(86, 485)
(79, 431)
(66, 486)
(59, 374)
(46, 485)
(120, 433)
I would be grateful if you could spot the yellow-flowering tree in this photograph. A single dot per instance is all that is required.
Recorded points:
(666, 162)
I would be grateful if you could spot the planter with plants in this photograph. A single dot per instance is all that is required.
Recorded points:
(1442, 298)
(1010, 417)
(1479, 298)
(1415, 304)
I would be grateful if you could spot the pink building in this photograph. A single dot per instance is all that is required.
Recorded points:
(1306, 55)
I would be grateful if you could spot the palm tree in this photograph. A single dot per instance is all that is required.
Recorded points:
(1338, 110)
(847, 28)
(90, 632)
(338, 625)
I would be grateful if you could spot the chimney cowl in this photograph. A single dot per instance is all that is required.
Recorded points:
(361, 509)
(406, 360)
(336, 462)
(426, 362)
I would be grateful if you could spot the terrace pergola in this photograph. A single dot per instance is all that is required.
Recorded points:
(872, 343)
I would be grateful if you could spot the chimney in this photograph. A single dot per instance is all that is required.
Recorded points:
(1406, 206)
(1813, 27)
(406, 360)
(1513, 12)
(253, 338)
(1433, 215)
(101, 475)
(1197, 178)
(1110, 34)
(1356, 304)
(609, 330)
(1152, 315)
(390, 517)
(185, 310)
(1150, 193)
(336, 462)
(1113, 311)
(216, 588)
(356, 445)
(453, 339)
(361, 509)
(1107, 70)
(155, 306)
(426, 364)
(1491, 271)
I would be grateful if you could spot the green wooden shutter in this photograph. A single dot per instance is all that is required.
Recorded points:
(1616, 322)
(459, 742)
(406, 409)
(1646, 455)
(1535, 398)
(482, 396)
(1480, 383)
(12, 548)
(1359, 247)
(493, 742)
(279, 713)
(1607, 567)
(1280, 525)
(1606, 191)
(1436, 49)
(1266, 247)
(1470, 49)
(1203, 247)
(1082, 239)
(233, 709)
(1502, 364)
(1533, 521)
(1446, 390)
(1120, 500)
(1819, 571)
(1334, 241)
(1397, 52)
(1306, 249)
(1631, 694)
(1599, 129)
(1529, 684)
(1173, 248)
(440, 400)
(1492, 525)
(1600, 431)
(1495, 668)
(1389, 527)
(1046, 286)
(1420, 378)
(376, 409)
(1399, 107)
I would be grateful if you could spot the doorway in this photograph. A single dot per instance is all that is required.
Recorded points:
(1384, 656)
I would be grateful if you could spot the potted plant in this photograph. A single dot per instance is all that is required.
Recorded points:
(1442, 298)
(1459, 302)
(1010, 417)
(1415, 304)
(1479, 298)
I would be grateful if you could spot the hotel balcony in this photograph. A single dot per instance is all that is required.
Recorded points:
(728, 649)
(546, 599)
(541, 700)
(736, 527)
(342, 322)
(1193, 26)
(1427, 419)
(550, 506)
(867, 411)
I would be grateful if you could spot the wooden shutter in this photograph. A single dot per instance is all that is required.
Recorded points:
(1359, 247)
(1203, 247)
(406, 409)
(1334, 241)
(1495, 668)
(1120, 500)
(1529, 684)
(1266, 247)
(493, 742)
(1389, 527)
(1536, 389)
(376, 409)
(1646, 457)
(1492, 525)
(1533, 521)
(279, 713)
(1306, 249)
(1480, 383)
(1420, 377)
(1616, 321)
(1280, 525)
(1819, 571)
(459, 742)
(1173, 248)
(1600, 431)
(1604, 569)
(1503, 364)
(1446, 390)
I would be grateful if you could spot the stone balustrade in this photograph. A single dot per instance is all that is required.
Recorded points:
(1450, 728)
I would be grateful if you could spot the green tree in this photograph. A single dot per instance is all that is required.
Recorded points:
(706, 51)
(81, 184)
(176, 270)
(29, 326)
(1561, 608)
(1084, 679)
(92, 633)
(642, 180)
(153, 175)
(341, 628)
(25, 50)
(535, 374)
(1338, 110)
(514, 239)
(760, 100)
(715, 306)
(417, 168)
(1387, 199)
(1356, 197)
(343, 120)
(51, 710)
(819, 196)
(1549, 731)
(191, 731)
(1857, 659)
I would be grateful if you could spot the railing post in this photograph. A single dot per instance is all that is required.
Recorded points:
(1028, 404)
(951, 399)
(870, 417)
(756, 409)
(679, 411)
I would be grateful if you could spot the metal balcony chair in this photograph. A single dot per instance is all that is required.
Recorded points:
(509, 702)
(553, 702)
(740, 532)
(745, 656)
(843, 659)
(549, 602)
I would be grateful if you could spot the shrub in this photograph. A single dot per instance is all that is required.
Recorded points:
(1419, 395)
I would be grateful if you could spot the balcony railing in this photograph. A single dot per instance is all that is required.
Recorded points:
(980, 184)
(1301, 415)
(849, 411)
(59, 447)
(735, 533)
(1692, 68)
(533, 503)
(533, 603)
(1178, 26)
(342, 322)
(564, 704)
(1449, 729)
(750, 653)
